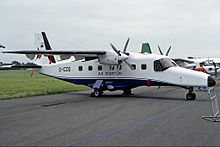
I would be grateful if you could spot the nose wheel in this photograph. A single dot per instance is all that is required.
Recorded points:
(191, 95)
(96, 93)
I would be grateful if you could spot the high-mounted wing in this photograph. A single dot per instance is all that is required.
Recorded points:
(50, 52)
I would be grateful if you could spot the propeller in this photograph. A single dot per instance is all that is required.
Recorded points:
(122, 56)
(167, 53)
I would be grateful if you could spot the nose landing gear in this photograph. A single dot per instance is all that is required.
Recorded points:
(190, 95)
(96, 93)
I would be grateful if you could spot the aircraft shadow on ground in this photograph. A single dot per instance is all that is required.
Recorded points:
(119, 96)
(82, 97)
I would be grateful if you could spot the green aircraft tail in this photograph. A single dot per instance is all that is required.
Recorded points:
(146, 48)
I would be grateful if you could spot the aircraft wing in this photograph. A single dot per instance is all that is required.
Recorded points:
(25, 66)
(50, 52)
(7, 67)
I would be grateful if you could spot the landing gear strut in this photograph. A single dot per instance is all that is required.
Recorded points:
(127, 92)
(190, 95)
(96, 93)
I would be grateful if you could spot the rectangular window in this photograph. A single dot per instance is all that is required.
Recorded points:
(100, 67)
(134, 66)
(80, 68)
(143, 66)
(119, 67)
(112, 67)
(90, 68)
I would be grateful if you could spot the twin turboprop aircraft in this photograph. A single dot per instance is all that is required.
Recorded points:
(113, 70)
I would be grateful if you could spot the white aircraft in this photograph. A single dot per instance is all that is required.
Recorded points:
(114, 70)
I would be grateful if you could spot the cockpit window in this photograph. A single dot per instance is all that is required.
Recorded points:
(204, 63)
(163, 64)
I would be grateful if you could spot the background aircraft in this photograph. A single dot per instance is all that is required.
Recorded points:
(113, 70)
(1, 46)
(199, 64)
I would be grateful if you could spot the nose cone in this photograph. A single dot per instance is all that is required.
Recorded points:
(211, 81)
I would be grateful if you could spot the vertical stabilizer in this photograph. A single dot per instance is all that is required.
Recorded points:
(41, 43)
(146, 48)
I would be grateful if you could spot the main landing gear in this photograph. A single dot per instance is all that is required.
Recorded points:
(190, 95)
(96, 93)
(127, 92)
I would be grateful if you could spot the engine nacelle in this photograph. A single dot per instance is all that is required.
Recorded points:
(109, 59)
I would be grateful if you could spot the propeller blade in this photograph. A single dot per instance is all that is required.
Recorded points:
(160, 50)
(129, 65)
(117, 51)
(214, 64)
(126, 44)
(168, 51)
(216, 68)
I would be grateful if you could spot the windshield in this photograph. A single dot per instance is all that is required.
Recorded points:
(204, 63)
(163, 64)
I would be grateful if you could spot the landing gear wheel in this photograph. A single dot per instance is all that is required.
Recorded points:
(127, 92)
(191, 96)
(97, 93)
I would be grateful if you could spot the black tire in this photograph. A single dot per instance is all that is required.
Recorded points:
(127, 92)
(97, 93)
(193, 96)
(190, 96)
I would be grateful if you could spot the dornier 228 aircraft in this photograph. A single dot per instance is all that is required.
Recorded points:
(113, 70)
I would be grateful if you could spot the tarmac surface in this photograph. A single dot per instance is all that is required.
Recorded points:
(150, 117)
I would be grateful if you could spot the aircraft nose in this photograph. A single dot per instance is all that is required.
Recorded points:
(211, 81)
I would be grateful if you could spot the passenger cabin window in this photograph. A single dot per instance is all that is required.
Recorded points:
(100, 67)
(163, 64)
(80, 68)
(90, 68)
(143, 66)
(134, 66)
(119, 67)
(112, 67)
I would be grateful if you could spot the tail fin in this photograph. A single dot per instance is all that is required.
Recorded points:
(146, 48)
(41, 43)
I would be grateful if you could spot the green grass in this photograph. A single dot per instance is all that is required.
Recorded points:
(17, 84)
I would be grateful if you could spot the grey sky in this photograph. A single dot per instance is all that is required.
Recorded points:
(191, 27)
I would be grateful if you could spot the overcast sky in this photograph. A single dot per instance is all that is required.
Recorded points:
(191, 27)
